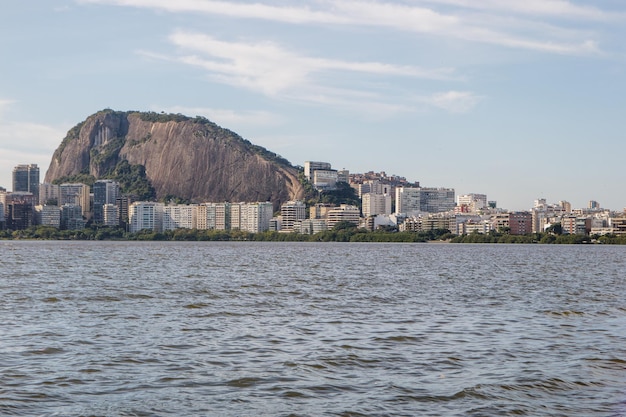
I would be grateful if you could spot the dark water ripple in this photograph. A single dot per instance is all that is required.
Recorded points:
(170, 329)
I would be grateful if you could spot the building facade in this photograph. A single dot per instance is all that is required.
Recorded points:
(146, 215)
(76, 194)
(375, 204)
(520, 223)
(26, 179)
(104, 192)
(343, 213)
(291, 212)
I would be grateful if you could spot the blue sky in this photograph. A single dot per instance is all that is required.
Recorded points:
(516, 100)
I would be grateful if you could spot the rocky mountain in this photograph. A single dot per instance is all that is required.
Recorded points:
(190, 158)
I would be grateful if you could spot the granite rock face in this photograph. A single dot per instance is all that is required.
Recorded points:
(191, 158)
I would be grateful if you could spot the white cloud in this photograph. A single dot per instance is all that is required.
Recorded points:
(454, 101)
(271, 69)
(454, 23)
(4, 104)
(553, 8)
(26, 143)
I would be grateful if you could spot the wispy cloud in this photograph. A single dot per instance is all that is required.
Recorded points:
(270, 69)
(420, 17)
(26, 142)
(454, 101)
(4, 104)
(553, 8)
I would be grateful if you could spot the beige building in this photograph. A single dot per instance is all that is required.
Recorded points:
(343, 213)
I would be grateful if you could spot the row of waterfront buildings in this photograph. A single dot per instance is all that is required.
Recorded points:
(386, 201)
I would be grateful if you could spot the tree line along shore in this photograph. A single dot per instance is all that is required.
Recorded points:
(340, 233)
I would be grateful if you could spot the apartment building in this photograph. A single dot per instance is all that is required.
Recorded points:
(104, 192)
(291, 212)
(520, 223)
(374, 204)
(48, 215)
(76, 194)
(412, 201)
(26, 179)
(179, 216)
(344, 212)
(256, 217)
(146, 215)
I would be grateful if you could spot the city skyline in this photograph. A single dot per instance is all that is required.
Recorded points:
(515, 101)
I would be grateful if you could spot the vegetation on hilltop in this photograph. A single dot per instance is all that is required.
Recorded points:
(132, 179)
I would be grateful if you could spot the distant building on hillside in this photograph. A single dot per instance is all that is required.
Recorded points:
(311, 166)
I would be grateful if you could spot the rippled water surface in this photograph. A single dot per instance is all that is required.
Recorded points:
(304, 329)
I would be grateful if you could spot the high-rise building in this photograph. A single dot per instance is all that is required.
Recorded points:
(146, 215)
(180, 216)
(76, 194)
(291, 212)
(48, 215)
(374, 204)
(111, 215)
(411, 201)
(26, 179)
(3, 206)
(104, 192)
(49, 194)
(256, 217)
(72, 217)
(520, 223)
(407, 200)
(436, 200)
(20, 210)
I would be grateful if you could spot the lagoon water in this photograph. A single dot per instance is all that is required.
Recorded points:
(311, 329)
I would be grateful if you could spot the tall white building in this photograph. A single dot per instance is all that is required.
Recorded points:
(291, 212)
(213, 216)
(408, 200)
(180, 216)
(374, 204)
(256, 217)
(146, 215)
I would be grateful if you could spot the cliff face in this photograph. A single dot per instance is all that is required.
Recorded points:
(184, 157)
